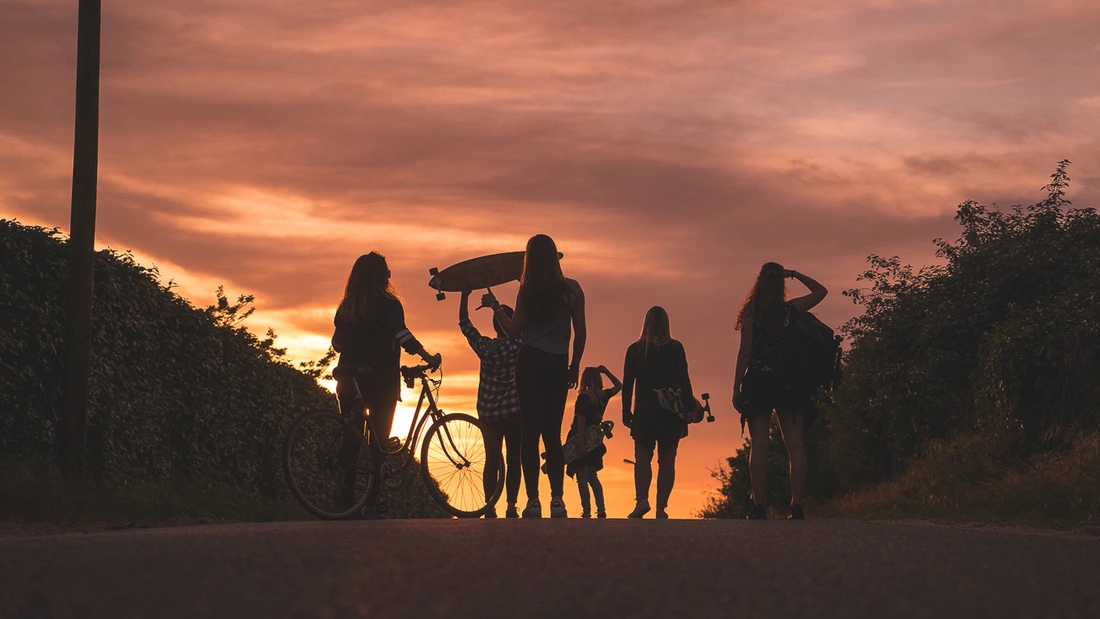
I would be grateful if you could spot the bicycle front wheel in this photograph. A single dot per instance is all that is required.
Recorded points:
(459, 470)
(327, 465)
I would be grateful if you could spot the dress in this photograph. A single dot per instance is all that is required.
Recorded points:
(646, 370)
(592, 413)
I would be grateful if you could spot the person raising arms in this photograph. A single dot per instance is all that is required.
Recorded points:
(549, 306)
(762, 380)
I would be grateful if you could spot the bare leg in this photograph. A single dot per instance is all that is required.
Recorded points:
(790, 424)
(759, 427)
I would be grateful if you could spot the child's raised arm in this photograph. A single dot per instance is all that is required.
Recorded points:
(616, 386)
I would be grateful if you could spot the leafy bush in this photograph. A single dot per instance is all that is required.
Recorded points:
(998, 347)
(177, 394)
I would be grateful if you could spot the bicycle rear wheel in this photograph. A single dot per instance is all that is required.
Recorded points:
(327, 466)
(454, 462)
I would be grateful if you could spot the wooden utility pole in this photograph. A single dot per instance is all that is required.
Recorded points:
(73, 429)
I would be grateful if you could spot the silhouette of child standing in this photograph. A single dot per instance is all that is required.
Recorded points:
(588, 411)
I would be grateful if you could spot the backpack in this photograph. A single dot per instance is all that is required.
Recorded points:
(814, 353)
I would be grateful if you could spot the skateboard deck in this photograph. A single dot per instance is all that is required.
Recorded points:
(477, 273)
(595, 437)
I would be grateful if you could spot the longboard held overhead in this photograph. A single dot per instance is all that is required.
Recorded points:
(477, 273)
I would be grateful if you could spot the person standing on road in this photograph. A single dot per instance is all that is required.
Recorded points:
(588, 411)
(370, 333)
(654, 363)
(762, 380)
(548, 307)
(497, 401)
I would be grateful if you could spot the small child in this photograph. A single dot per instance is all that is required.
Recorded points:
(587, 411)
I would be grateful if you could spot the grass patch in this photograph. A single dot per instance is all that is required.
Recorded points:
(975, 479)
(35, 492)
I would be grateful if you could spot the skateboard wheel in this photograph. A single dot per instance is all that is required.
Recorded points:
(440, 297)
(706, 396)
(433, 271)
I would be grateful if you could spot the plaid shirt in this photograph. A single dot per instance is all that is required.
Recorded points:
(497, 397)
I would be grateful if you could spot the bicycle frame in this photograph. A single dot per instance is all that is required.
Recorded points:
(417, 427)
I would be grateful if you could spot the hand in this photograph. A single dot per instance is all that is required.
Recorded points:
(466, 294)
(490, 300)
(738, 400)
(628, 419)
(789, 273)
(603, 369)
(434, 361)
(574, 377)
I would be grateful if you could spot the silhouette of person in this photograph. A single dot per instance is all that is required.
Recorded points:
(497, 401)
(762, 380)
(370, 333)
(547, 305)
(588, 411)
(654, 362)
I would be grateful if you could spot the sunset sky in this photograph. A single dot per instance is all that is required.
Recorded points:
(668, 147)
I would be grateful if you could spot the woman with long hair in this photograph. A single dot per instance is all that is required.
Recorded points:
(370, 333)
(762, 380)
(549, 307)
(654, 363)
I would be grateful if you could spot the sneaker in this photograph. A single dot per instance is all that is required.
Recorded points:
(662, 515)
(586, 515)
(797, 513)
(492, 513)
(759, 512)
(641, 509)
(601, 514)
(557, 509)
(533, 509)
(511, 512)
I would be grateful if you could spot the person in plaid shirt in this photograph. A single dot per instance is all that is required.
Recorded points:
(497, 399)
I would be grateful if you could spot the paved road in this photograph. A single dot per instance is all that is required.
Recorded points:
(558, 569)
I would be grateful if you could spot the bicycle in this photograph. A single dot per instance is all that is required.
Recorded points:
(326, 458)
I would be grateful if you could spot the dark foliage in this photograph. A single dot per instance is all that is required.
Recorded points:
(1002, 339)
(177, 394)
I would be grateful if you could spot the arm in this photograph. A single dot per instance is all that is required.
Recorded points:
(628, 388)
(616, 386)
(817, 291)
(407, 340)
(464, 306)
(513, 326)
(743, 354)
(580, 334)
(684, 378)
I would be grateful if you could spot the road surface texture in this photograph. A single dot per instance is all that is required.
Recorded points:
(555, 569)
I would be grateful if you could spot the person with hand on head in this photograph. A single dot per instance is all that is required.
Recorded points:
(369, 334)
(654, 363)
(497, 401)
(549, 307)
(588, 411)
(762, 382)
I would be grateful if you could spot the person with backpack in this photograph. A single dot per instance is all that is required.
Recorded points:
(766, 379)
(655, 368)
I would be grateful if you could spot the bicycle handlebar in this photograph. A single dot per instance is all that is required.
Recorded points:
(411, 374)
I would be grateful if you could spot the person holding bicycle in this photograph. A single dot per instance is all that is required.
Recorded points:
(548, 307)
(497, 400)
(370, 334)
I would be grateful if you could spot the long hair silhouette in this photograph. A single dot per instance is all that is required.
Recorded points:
(369, 281)
(542, 285)
(655, 329)
(766, 299)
